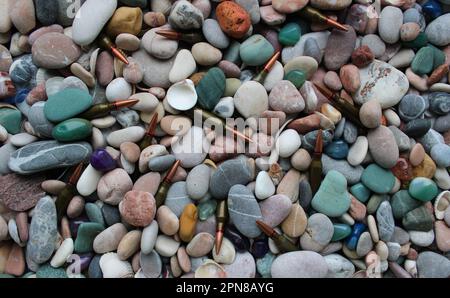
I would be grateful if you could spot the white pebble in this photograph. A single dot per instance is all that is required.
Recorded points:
(288, 143)
(63, 253)
(87, 184)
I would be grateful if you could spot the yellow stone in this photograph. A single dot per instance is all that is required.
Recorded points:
(125, 20)
(426, 169)
(188, 221)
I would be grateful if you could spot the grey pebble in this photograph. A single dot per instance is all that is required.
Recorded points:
(161, 163)
(177, 198)
(385, 221)
(351, 173)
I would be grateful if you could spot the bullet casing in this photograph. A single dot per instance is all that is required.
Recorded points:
(63, 200)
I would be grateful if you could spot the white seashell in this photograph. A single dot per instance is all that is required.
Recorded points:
(210, 269)
(63, 253)
(42, 75)
(113, 267)
(441, 204)
(93, 61)
(54, 85)
(182, 96)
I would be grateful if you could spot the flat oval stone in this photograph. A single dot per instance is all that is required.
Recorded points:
(438, 30)
(418, 219)
(54, 51)
(320, 231)
(177, 198)
(244, 210)
(339, 48)
(10, 119)
(151, 264)
(197, 182)
(66, 104)
(286, 98)
(256, 50)
(339, 267)
(72, 130)
(295, 264)
(20, 193)
(432, 265)
(211, 88)
(441, 155)
(251, 99)
(402, 203)
(383, 147)
(385, 221)
(377, 179)
(228, 174)
(275, 209)
(40, 156)
(391, 20)
(43, 231)
(214, 35)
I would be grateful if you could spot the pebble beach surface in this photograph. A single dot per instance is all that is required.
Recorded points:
(341, 169)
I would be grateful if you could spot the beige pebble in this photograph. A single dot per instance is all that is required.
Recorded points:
(417, 155)
(184, 260)
(440, 87)
(76, 207)
(289, 185)
(382, 250)
(205, 54)
(129, 244)
(418, 82)
(109, 239)
(295, 224)
(392, 118)
(130, 151)
(128, 42)
(79, 71)
(176, 125)
(301, 160)
(136, 262)
(104, 122)
(175, 267)
(65, 228)
(373, 229)
(227, 253)
(331, 113)
(370, 114)
(167, 220)
(200, 245)
(53, 187)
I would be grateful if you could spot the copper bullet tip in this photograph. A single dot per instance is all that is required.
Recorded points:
(76, 174)
(173, 171)
(125, 103)
(119, 55)
(336, 25)
(239, 134)
(265, 228)
(327, 93)
(170, 34)
(219, 240)
(319, 143)
(152, 127)
(272, 61)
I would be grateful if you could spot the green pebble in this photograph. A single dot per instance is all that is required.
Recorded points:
(332, 198)
(402, 203)
(296, 77)
(423, 189)
(290, 34)
(4, 275)
(256, 50)
(86, 235)
(422, 63)
(438, 57)
(232, 86)
(341, 231)
(418, 219)
(94, 213)
(420, 41)
(232, 54)
(377, 179)
(48, 271)
(264, 265)
(207, 209)
(66, 104)
(375, 201)
(11, 120)
(72, 130)
(211, 88)
(360, 192)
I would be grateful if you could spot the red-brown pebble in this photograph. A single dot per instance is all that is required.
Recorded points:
(22, 226)
(362, 56)
(138, 208)
(438, 74)
(233, 19)
(350, 78)
(154, 19)
(15, 265)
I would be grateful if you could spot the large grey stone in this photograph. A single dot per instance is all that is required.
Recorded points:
(229, 173)
(244, 210)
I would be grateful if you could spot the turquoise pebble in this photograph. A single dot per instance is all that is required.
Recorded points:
(72, 130)
(337, 149)
(86, 235)
(423, 189)
(296, 77)
(67, 104)
(207, 209)
(422, 63)
(264, 265)
(332, 198)
(48, 271)
(256, 50)
(360, 192)
(377, 179)
(94, 213)
(290, 34)
(211, 88)
(11, 120)
(341, 231)
(402, 203)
